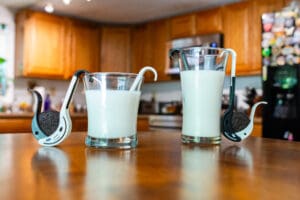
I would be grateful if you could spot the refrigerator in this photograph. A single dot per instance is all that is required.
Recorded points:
(280, 48)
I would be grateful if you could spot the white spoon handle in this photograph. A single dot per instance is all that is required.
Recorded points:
(140, 76)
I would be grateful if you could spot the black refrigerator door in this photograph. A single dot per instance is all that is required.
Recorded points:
(281, 90)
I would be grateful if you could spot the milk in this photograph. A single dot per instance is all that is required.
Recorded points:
(112, 113)
(202, 92)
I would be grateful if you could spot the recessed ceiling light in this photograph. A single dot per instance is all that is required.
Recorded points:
(67, 2)
(49, 8)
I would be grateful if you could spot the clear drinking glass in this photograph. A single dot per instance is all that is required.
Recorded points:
(202, 72)
(112, 107)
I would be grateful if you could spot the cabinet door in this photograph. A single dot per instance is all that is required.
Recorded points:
(85, 47)
(115, 49)
(257, 129)
(149, 48)
(238, 36)
(43, 46)
(159, 51)
(182, 26)
(209, 21)
(140, 47)
(142, 124)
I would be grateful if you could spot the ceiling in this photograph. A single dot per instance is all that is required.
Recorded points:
(119, 11)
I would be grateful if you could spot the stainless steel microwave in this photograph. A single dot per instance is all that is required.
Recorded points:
(211, 40)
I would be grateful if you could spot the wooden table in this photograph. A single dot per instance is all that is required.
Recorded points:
(159, 168)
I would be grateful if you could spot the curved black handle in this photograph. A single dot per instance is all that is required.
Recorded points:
(39, 100)
(79, 72)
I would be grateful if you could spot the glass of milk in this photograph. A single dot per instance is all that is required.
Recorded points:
(112, 107)
(202, 72)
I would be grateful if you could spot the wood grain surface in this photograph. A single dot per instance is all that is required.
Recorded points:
(159, 168)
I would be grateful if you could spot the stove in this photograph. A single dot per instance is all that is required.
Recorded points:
(165, 122)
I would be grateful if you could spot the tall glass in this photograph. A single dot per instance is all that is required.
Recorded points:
(202, 72)
(112, 107)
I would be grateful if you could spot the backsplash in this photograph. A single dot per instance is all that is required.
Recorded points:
(56, 88)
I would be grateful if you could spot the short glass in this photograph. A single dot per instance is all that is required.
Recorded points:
(112, 107)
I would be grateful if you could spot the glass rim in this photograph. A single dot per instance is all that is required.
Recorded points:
(204, 51)
(111, 74)
(203, 47)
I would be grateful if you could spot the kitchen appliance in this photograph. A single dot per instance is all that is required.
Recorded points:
(146, 107)
(281, 72)
(170, 108)
(210, 40)
(165, 122)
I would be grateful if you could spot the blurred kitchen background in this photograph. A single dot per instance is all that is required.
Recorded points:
(16, 97)
(43, 42)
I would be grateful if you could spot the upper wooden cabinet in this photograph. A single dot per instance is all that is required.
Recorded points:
(209, 21)
(182, 26)
(238, 36)
(159, 38)
(149, 48)
(40, 50)
(84, 47)
(242, 32)
(49, 46)
(140, 47)
(115, 49)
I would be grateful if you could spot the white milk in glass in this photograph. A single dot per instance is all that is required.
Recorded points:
(112, 113)
(202, 96)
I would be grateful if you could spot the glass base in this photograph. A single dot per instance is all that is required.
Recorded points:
(200, 140)
(116, 143)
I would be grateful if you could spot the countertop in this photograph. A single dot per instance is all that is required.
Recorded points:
(80, 115)
(30, 115)
(161, 167)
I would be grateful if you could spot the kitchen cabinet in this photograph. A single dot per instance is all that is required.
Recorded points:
(242, 32)
(237, 21)
(149, 47)
(79, 123)
(159, 51)
(115, 49)
(40, 51)
(140, 47)
(84, 42)
(209, 21)
(257, 128)
(21, 123)
(15, 125)
(49, 46)
(143, 123)
(182, 26)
